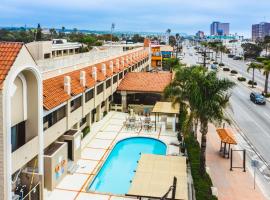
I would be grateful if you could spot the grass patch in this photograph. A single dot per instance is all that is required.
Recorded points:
(202, 184)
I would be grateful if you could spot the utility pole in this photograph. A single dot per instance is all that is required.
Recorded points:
(112, 29)
(204, 55)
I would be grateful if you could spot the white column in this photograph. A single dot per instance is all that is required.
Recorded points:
(173, 123)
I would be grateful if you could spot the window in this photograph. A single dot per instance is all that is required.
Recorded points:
(99, 89)
(102, 104)
(108, 83)
(17, 136)
(52, 118)
(89, 95)
(47, 55)
(76, 103)
(114, 79)
(83, 121)
(120, 75)
(125, 72)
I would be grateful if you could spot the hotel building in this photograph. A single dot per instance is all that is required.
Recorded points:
(46, 101)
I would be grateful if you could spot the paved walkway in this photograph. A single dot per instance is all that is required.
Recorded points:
(95, 149)
(231, 185)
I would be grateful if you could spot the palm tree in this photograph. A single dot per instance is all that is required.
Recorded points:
(254, 66)
(208, 95)
(266, 71)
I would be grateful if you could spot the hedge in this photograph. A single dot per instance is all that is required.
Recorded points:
(234, 72)
(241, 79)
(250, 82)
(202, 184)
(221, 64)
(226, 69)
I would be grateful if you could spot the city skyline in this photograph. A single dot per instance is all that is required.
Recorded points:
(139, 15)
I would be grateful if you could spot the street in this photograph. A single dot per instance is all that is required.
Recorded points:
(252, 119)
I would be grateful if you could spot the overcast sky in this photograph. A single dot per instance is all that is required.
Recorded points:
(184, 16)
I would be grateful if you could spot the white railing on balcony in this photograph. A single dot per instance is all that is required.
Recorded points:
(56, 66)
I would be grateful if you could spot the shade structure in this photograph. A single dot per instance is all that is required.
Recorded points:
(155, 174)
(166, 108)
(226, 136)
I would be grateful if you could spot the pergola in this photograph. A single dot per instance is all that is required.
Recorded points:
(166, 108)
(226, 137)
(159, 177)
(143, 82)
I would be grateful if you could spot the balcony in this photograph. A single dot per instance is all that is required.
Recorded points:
(24, 154)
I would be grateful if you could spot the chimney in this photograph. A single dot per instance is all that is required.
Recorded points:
(103, 69)
(82, 78)
(67, 86)
(94, 73)
(117, 64)
(111, 66)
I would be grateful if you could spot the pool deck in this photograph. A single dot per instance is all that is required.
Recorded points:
(95, 148)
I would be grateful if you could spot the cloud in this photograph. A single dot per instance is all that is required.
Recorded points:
(140, 15)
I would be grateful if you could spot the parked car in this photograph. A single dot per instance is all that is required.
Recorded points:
(230, 55)
(237, 58)
(257, 98)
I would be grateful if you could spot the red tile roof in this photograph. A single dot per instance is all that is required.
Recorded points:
(145, 82)
(8, 54)
(53, 88)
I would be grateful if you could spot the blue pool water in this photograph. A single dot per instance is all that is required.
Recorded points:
(117, 171)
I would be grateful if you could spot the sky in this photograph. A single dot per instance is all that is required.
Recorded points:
(181, 16)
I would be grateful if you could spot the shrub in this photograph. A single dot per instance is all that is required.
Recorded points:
(241, 79)
(250, 82)
(234, 72)
(212, 59)
(105, 113)
(267, 95)
(215, 62)
(85, 131)
(202, 184)
(226, 69)
(221, 64)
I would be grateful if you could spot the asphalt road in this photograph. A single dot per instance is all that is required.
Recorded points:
(253, 120)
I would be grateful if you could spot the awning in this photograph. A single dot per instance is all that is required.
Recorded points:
(166, 107)
(154, 176)
(226, 136)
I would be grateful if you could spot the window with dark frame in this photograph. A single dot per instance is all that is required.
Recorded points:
(52, 118)
(89, 95)
(100, 89)
(75, 104)
(120, 75)
(108, 83)
(115, 79)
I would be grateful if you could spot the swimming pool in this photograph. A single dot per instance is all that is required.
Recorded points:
(118, 170)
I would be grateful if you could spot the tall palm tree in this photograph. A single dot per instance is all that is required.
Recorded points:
(209, 96)
(266, 71)
(254, 66)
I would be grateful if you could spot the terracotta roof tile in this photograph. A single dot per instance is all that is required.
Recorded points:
(53, 88)
(8, 54)
(145, 82)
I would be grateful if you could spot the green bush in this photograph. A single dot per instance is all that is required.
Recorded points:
(241, 79)
(250, 82)
(226, 69)
(202, 184)
(215, 62)
(85, 131)
(267, 95)
(105, 113)
(234, 72)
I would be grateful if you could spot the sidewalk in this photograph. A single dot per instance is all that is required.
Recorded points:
(231, 185)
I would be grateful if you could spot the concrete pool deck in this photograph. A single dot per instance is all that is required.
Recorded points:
(95, 149)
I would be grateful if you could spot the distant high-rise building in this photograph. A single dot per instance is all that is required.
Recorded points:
(218, 28)
(259, 31)
(200, 34)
